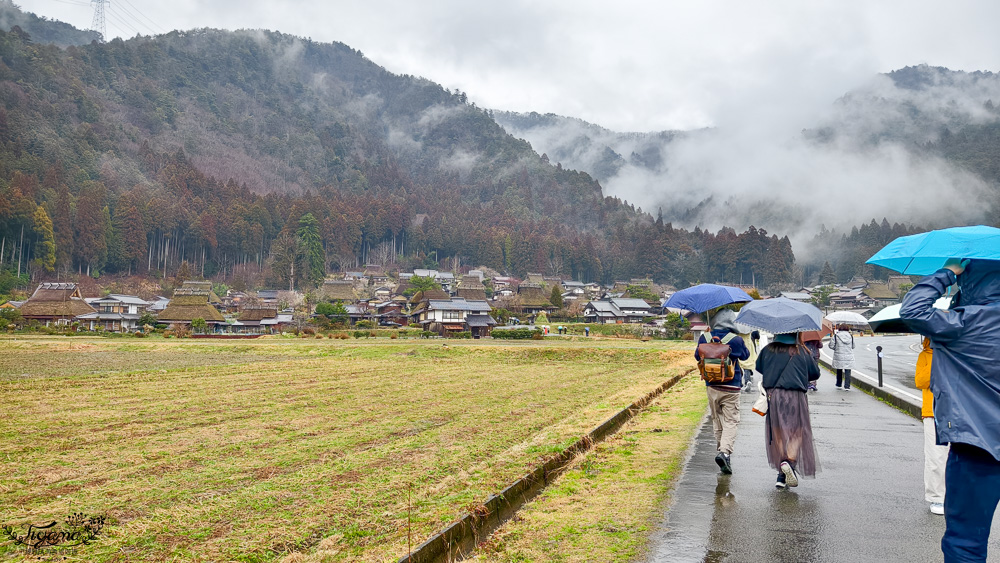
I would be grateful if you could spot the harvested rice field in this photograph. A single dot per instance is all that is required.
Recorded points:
(291, 449)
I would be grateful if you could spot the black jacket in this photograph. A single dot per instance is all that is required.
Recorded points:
(801, 369)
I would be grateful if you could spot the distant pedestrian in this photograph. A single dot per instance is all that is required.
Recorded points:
(724, 396)
(787, 367)
(965, 380)
(842, 344)
(935, 456)
(586, 331)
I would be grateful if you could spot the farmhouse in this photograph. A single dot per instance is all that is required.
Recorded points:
(115, 313)
(531, 299)
(55, 303)
(191, 301)
(616, 310)
(447, 316)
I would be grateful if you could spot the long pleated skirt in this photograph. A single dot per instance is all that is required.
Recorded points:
(788, 433)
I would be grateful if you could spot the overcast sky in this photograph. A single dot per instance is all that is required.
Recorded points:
(627, 65)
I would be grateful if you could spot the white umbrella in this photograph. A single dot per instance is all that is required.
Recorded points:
(847, 318)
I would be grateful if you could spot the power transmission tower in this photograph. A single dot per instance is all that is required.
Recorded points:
(99, 24)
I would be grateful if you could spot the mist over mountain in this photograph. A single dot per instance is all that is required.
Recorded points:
(920, 145)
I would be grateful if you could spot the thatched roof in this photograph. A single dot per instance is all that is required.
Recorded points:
(60, 300)
(339, 289)
(257, 314)
(532, 295)
(198, 288)
(880, 291)
(186, 308)
(429, 294)
(472, 294)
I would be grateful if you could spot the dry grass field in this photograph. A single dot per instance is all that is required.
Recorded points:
(268, 449)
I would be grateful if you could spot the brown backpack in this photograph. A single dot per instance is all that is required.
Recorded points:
(715, 365)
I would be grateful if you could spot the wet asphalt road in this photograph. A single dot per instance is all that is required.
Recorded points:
(866, 504)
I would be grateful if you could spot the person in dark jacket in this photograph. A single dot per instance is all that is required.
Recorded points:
(965, 381)
(724, 398)
(787, 367)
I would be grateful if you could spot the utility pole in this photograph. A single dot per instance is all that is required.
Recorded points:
(99, 25)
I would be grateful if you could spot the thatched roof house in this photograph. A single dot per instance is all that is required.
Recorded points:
(471, 288)
(342, 290)
(532, 298)
(56, 303)
(189, 304)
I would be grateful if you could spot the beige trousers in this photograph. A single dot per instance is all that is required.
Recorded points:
(935, 460)
(725, 408)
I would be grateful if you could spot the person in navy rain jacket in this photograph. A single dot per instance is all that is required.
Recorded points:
(724, 398)
(965, 380)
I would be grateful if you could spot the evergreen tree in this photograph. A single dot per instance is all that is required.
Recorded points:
(45, 248)
(312, 247)
(827, 276)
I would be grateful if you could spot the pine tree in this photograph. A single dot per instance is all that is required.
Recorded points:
(827, 276)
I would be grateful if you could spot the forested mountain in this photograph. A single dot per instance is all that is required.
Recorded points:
(43, 30)
(913, 149)
(228, 150)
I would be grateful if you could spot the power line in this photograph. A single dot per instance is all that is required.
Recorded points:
(120, 23)
(121, 15)
(150, 20)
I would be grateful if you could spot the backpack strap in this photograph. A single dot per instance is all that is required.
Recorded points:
(727, 338)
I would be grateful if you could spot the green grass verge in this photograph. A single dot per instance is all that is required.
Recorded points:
(603, 508)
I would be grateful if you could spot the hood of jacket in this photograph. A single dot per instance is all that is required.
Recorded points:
(979, 283)
(725, 320)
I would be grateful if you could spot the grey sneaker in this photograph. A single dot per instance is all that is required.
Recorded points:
(723, 462)
(791, 479)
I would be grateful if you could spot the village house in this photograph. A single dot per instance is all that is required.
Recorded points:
(471, 288)
(192, 301)
(261, 320)
(448, 316)
(881, 295)
(376, 274)
(114, 313)
(339, 290)
(531, 299)
(616, 310)
(55, 304)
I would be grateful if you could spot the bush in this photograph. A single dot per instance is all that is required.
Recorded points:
(364, 324)
(319, 336)
(466, 334)
(517, 333)
(427, 333)
(360, 334)
(394, 336)
(414, 325)
(309, 331)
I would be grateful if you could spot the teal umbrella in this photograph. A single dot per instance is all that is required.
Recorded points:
(927, 253)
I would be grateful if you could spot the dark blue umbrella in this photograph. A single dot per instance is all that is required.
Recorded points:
(781, 315)
(926, 253)
(706, 296)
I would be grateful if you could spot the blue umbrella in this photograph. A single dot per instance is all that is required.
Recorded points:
(926, 253)
(781, 315)
(706, 296)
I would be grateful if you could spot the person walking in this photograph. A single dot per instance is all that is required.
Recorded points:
(965, 381)
(842, 344)
(935, 456)
(752, 342)
(724, 397)
(786, 367)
